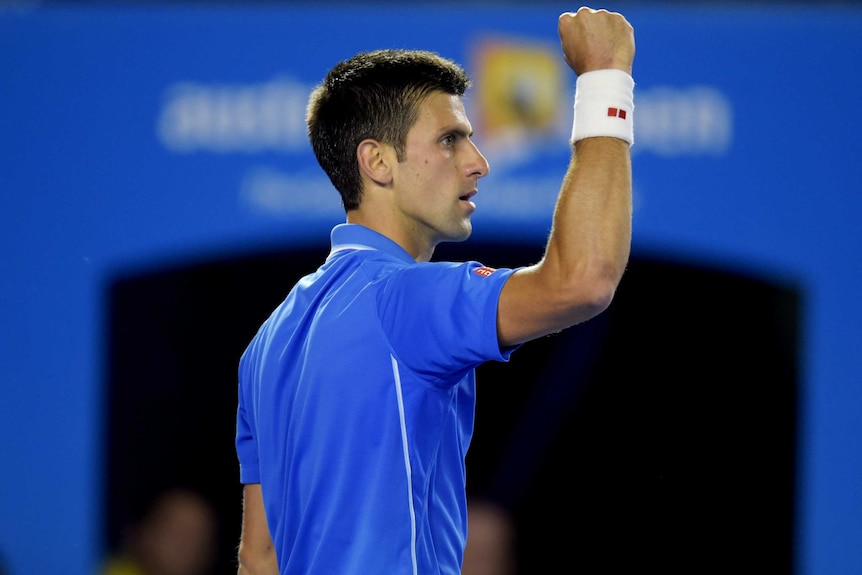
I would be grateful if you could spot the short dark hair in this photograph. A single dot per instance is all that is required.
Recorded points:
(373, 95)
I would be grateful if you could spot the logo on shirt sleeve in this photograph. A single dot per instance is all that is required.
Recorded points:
(484, 271)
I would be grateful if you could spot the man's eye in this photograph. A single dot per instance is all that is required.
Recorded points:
(448, 140)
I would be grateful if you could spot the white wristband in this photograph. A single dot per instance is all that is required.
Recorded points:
(604, 105)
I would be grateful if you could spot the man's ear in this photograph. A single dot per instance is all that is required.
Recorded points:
(374, 158)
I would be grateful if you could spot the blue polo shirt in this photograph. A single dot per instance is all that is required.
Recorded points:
(356, 409)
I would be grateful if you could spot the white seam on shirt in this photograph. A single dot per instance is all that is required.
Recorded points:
(343, 247)
(403, 423)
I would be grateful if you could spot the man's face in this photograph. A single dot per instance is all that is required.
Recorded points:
(436, 181)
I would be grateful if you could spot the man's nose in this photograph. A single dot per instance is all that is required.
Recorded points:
(480, 166)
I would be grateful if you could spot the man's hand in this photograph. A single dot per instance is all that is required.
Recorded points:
(596, 40)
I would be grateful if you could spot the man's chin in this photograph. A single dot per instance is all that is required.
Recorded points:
(464, 234)
(459, 234)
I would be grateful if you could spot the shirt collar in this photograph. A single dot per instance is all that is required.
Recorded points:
(359, 237)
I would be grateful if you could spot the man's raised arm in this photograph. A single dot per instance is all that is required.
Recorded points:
(588, 248)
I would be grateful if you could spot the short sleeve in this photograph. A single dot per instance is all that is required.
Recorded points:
(246, 444)
(441, 317)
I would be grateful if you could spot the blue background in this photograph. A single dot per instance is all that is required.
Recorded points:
(96, 182)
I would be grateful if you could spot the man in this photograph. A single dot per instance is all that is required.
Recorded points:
(356, 397)
(176, 536)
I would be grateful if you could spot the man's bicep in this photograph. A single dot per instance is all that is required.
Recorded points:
(520, 309)
(531, 306)
(256, 551)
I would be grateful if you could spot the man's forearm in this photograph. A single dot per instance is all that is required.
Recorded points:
(592, 223)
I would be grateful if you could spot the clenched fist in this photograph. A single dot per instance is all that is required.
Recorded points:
(596, 40)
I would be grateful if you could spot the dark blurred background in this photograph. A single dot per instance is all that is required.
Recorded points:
(660, 434)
